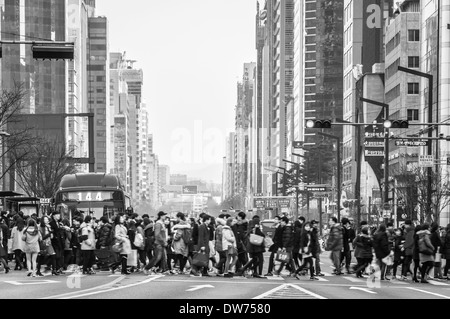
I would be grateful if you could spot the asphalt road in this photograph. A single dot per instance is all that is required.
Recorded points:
(103, 285)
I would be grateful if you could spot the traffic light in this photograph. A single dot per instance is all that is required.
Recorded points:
(51, 52)
(396, 124)
(318, 124)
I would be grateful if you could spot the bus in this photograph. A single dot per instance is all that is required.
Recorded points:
(94, 194)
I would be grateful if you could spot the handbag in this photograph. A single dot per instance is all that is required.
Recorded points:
(43, 248)
(200, 260)
(132, 259)
(388, 260)
(256, 240)
(138, 240)
(283, 256)
(232, 251)
(268, 242)
(117, 247)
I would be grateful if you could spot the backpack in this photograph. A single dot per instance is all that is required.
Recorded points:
(138, 240)
(423, 248)
(187, 235)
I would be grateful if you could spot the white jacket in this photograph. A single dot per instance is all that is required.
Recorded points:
(228, 238)
(88, 244)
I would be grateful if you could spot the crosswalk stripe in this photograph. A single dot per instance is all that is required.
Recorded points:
(353, 279)
(437, 283)
(322, 279)
(327, 274)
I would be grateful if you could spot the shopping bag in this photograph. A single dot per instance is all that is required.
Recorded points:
(256, 240)
(200, 260)
(268, 242)
(132, 259)
(283, 256)
(10, 244)
(388, 260)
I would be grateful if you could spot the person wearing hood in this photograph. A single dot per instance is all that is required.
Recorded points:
(87, 245)
(382, 248)
(121, 236)
(435, 239)
(182, 234)
(104, 234)
(229, 243)
(31, 237)
(363, 251)
(149, 237)
(416, 257)
(426, 252)
(446, 251)
(335, 244)
(221, 250)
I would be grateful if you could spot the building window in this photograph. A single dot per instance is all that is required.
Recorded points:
(413, 35)
(413, 88)
(413, 115)
(413, 62)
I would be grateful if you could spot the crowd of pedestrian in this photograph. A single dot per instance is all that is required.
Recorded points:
(224, 246)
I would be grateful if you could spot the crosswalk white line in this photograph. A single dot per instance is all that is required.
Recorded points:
(322, 279)
(327, 274)
(437, 283)
(353, 279)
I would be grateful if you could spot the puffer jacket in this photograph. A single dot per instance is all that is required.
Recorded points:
(104, 236)
(308, 244)
(16, 238)
(298, 230)
(409, 241)
(287, 238)
(228, 238)
(363, 246)
(381, 245)
(335, 238)
(424, 235)
(89, 243)
(277, 239)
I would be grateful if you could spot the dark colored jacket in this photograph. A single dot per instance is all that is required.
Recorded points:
(348, 235)
(240, 233)
(253, 249)
(416, 247)
(381, 245)
(75, 240)
(195, 234)
(149, 237)
(298, 230)
(287, 237)
(4, 230)
(409, 241)
(58, 235)
(363, 246)
(446, 246)
(203, 238)
(104, 238)
(277, 239)
(398, 253)
(435, 239)
(308, 244)
(335, 238)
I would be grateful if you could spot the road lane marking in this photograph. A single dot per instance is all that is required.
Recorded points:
(194, 288)
(353, 279)
(25, 282)
(90, 289)
(428, 292)
(437, 283)
(113, 289)
(285, 290)
(363, 289)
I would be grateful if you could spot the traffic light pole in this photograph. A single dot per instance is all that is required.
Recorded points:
(307, 180)
(429, 77)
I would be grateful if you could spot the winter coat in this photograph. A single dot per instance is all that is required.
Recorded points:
(120, 234)
(435, 239)
(31, 241)
(241, 235)
(348, 235)
(381, 245)
(228, 238)
(254, 249)
(409, 241)
(46, 234)
(309, 248)
(398, 253)
(287, 238)
(203, 238)
(68, 240)
(446, 246)
(179, 246)
(4, 229)
(298, 230)
(363, 246)
(58, 235)
(160, 233)
(277, 239)
(335, 238)
(89, 243)
(425, 236)
(149, 237)
(315, 238)
(416, 247)
(219, 247)
(140, 230)
(16, 238)
(104, 236)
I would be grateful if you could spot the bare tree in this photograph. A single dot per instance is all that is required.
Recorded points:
(412, 188)
(40, 173)
(19, 139)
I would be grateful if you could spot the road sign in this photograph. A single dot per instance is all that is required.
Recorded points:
(45, 200)
(426, 160)
(374, 153)
(411, 143)
(190, 189)
(297, 144)
(374, 144)
(386, 206)
(320, 195)
(316, 189)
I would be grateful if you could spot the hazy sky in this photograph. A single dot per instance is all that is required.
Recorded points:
(192, 53)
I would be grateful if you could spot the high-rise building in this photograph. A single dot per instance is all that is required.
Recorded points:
(178, 179)
(228, 182)
(99, 90)
(164, 175)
